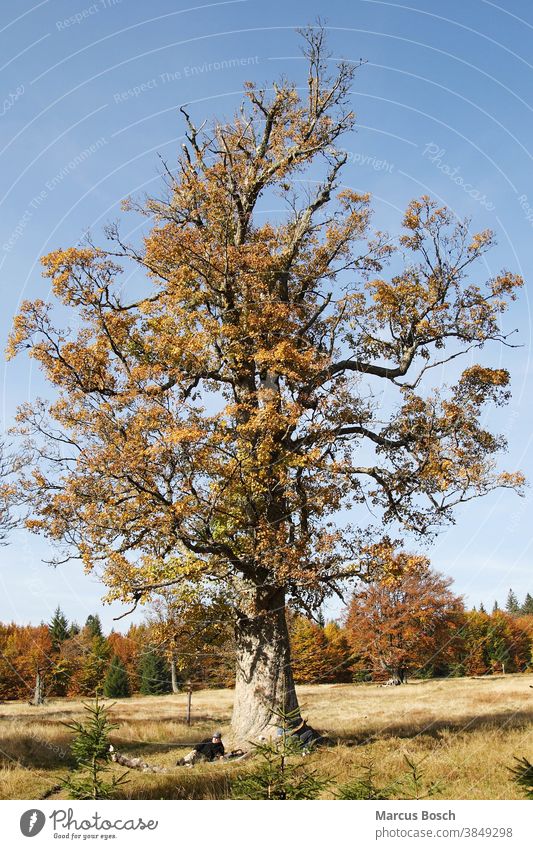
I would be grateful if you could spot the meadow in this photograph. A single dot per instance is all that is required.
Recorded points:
(462, 733)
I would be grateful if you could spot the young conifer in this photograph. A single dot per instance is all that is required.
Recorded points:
(91, 751)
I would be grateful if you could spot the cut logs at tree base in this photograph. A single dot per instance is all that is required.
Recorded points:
(138, 763)
(135, 763)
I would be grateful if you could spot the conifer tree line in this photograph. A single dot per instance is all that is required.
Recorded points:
(413, 627)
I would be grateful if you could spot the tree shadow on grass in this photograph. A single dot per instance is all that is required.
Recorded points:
(30, 750)
(181, 719)
(179, 785)
(508, 720)
(57, 716)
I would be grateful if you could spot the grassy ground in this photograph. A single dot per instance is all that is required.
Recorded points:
(462, 733)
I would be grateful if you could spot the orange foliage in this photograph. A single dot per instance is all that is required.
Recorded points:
(496, 642)
(24, 650)
(403, 623)
(319, 655)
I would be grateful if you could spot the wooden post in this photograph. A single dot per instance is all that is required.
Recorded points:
(189, 697)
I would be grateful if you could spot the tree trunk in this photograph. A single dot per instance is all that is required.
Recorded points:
(264, 677)
(398, 675)
(189, 698)
(38, 698)
(174, 676)
(396, 678)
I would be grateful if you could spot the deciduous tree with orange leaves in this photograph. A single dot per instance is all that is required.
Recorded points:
(405, 620)
(309, 648)
(27, 662)
(210, 424)
(320, 655)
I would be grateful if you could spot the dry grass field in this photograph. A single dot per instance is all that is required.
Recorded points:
(462, 733)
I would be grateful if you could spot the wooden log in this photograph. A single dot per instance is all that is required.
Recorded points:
(134, 763)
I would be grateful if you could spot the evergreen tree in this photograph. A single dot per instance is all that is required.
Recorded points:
(495, 607)
(512, 605)
(58, 628)
(412, 786)
(116, 684)
(527, 607)
(74, 629)
(279, 772)
(498, 643)
(482, 608)
(93, 626)
(91, 751)
(364, 786)
(523, 776)
(154, 672)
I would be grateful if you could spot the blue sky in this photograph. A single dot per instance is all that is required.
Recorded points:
(89, 97)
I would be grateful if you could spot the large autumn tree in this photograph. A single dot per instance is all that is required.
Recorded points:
(211, 425)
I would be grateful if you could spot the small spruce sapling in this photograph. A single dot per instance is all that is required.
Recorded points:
(280, 773)
(91, 751)
(411, 786)
(523, 776)
(366, 787)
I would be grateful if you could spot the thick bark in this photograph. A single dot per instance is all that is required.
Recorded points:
(264, 679)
